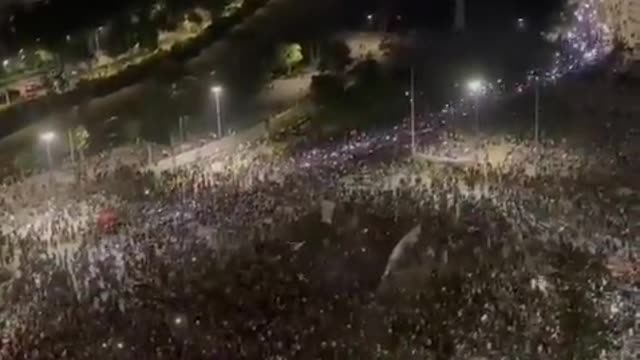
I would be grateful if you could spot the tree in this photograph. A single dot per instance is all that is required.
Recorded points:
(121, 36)
(336, 56)
(194, 17)
(164, 21)
(367, 74)
(232, 7)
(81, 138)
(290, 55)
(75, 48)
(327, 88)
(146, 34)
(44, 56)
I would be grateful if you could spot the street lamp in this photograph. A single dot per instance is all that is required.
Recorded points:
(476, 88)
(217, 90)
(370, 19)
(47, 138)
(5, 62)
(536, 130)
(97, 38)
(412, 103)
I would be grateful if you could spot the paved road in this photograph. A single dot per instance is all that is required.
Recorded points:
(273, 23)
(225, 145)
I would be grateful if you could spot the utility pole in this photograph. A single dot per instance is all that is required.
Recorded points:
(536, 130)
(476, 105)
(413, 112)
(181, 128)
(49, 157)
(72, 147)
(452, 111)
(149, 154)
(216, 92)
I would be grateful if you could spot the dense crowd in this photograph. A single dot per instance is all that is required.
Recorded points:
(347, 250)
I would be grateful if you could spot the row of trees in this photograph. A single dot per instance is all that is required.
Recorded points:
(328, 56)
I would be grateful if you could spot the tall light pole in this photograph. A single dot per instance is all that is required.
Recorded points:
(47, 138)
(413, 112)
(181, 128)
(370, 21)
(536, 130)
(217, 90)
(452, 112)
(72, 147)
(476, 87)
(97, 38)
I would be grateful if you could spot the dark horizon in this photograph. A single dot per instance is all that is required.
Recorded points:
(54, 18)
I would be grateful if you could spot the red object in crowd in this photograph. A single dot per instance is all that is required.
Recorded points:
(108, 221)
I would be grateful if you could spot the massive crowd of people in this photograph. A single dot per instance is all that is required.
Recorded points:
(351, 249)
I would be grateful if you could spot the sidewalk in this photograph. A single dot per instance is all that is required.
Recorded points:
(226, 144)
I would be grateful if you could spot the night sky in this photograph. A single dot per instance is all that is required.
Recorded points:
(55, 18)
(480, 13)
(47, 18)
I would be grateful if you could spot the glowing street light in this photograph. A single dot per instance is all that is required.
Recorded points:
(47, 138)
(217, 90)
(5, 62)
(370, 19)
(96, 36)
(476, 88)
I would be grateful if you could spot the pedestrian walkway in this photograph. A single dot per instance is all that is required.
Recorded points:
(227, 144)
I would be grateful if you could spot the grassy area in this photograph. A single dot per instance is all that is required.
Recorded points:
(22, 75)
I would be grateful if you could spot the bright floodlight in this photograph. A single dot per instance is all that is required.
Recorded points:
(5, 62)
(475, 86)
(216, 89)
(48, 136)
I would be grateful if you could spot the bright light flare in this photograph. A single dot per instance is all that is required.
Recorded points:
(475, 86)
(48, 136)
